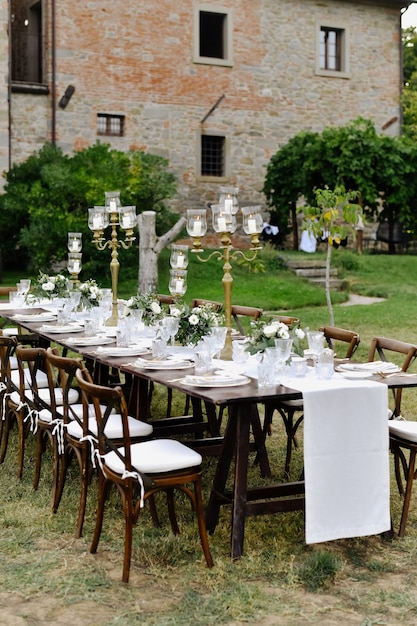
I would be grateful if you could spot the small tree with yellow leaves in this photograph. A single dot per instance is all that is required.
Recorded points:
(334, 217)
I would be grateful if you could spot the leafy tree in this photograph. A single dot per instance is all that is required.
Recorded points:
(333, 215)
(48, 195)
(354, 156)
(409, 98)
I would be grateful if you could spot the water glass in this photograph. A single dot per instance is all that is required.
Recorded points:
(90, 327)
(159, 348)
(266, 374)
(123, 336)
(239, 353)
(202, 361)
(325, 364)
(298, 366)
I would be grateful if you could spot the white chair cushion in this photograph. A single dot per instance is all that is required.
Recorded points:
(294, 404)
(156, 457)
(404, 429)
(13, 363)
(113, 428)
(10, 332)
(45, 396)
(41, 379)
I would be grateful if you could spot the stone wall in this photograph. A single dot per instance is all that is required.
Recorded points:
(138, 62)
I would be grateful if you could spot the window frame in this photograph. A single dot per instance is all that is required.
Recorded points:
(227, 60)
(109, 117)
(226, 158)
(343, 30)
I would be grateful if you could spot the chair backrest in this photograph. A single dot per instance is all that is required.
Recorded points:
(7, 348)
(217, 306)
(287, 319)
(244, 311)
(383, 347)
(335, 335)
(65, 368)
(164, 299)
(30, 362)
(99, 396)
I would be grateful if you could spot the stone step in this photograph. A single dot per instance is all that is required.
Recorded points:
(311, 272)
(335, 283)
(294, 264)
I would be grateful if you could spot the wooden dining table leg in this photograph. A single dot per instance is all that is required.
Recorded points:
(244, 415)
(259, 437)
(217, 496)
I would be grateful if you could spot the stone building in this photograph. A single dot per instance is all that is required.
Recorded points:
(215, 87)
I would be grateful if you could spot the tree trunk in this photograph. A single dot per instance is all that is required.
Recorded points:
(328, 295)
(150, 247)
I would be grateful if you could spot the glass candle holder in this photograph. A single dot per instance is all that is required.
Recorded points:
(179, 257)
(74, 262)
(228, 199)
(222, 222)
(112, 201)
(128, 217)
(98, 218)
(75, 242)
(252, 220)
(177, 282)
(196, 222)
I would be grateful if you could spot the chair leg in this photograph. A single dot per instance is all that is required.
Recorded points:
(5, 436)
(171, 511)
(408, 489)
(128, 515)
(103, 491)
(199, 505)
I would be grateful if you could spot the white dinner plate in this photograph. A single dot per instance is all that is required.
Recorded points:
(34, 317)
(215, 380)
(371, 366)
(117, 351)
(61, 330)
(95, 340)
(162, 365)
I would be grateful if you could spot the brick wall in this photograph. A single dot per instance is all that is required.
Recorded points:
(138, 62)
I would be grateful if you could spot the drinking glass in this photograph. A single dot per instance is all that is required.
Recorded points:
(315, 339)
(283, 349)
(324, 366)
(24, 285)
(172, 323)
(162, 330)
(219, 337)
(202, 361)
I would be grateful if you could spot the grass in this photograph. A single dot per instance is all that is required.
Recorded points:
(45, 571)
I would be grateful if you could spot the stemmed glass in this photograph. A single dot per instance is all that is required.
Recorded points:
(163, 331)
(172, 323)
(315, 339)
(282, 354)
(24, 286)
(219, 337)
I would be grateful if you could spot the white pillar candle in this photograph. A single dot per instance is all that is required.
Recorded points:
(221, 224)
(251, 226)
(97, 222)
(75, 245)
(112, 205)
(179, 284)
(228, 205)
(76, 267)
(197, 228)
(180, 260)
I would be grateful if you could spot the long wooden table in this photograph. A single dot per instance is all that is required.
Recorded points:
(242, 402)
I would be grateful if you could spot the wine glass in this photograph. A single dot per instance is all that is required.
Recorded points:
(315, 339)
(172, 323)
(219, 333)
(24, 285)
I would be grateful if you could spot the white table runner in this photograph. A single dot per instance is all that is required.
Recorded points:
(346, 457)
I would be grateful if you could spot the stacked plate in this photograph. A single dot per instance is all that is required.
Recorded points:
(218, 379)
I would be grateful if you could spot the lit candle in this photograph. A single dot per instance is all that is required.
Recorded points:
(197, 228)
(251, 226)
(75, 245)
(76, 267)
(179, 284)
(221, 224)
(97, 222)
(112, 205)
(228, 205)
(126, 223)
(180, 260)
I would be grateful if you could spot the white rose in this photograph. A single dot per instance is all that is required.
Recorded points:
(155, 308)
(284, 334)
(49, 286)
(175, 312)
(193, 319)
(299, 333)
(130, 302)
(270, 330)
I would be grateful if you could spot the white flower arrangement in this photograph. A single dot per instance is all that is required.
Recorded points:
(48, 287)
(264, 333)
(149, 303)
(195, 323)
(90, 294)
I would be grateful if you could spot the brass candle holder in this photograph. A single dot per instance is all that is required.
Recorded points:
(225, 223)
(113, 214)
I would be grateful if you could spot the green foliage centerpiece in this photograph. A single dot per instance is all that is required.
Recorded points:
(195, 323)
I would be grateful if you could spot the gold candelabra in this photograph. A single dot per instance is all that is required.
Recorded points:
(99, 218)
(224, 222)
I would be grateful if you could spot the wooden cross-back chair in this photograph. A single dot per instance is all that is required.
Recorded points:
(335, 336)
(239, 311)
(140, 470)
(402, 432)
